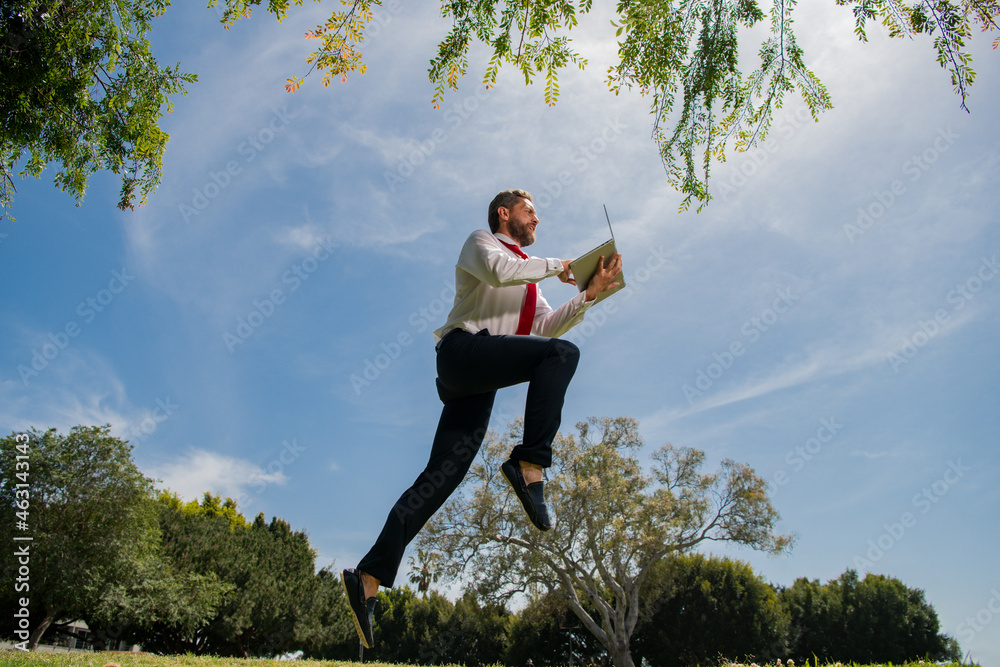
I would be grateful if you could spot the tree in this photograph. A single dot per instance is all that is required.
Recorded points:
(874, 620)
(275, 587)
(158, 596)
(701, 609)
(271, 573)
(425, 570)
(81, 87)
(86, 91)
(615, 522)
(413, 627)
(325, 625)
(683, 55)
(814, 614)
(198, 540)
(431, 630)
(476, 634)
(546, 632)
(89, 512)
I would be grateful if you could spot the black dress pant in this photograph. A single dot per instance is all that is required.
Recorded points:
(471, 367)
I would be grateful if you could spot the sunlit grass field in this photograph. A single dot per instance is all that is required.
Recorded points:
(81, 659)
(22, 659)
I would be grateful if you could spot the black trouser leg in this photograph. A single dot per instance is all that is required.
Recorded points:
(470, 370)
(469, 364)
(460, 433)
(544, 403)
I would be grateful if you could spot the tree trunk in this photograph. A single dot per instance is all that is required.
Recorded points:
(36, 634)
(621, 655)
(617, 644)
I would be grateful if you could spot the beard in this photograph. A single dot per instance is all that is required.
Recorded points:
(521, 232)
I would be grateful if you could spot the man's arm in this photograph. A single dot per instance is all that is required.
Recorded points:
(484, 258)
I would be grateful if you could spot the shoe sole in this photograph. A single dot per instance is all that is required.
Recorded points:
(354, 615)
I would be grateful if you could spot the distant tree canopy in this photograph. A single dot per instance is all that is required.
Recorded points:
(432, 630)
(877, 619)
(275, 600)
(616, 521)
(699, 610)
(146, 568)
(82, 88)
(198, 577)
(549, 634)
(88, 511)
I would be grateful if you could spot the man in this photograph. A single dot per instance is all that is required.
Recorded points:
(485, 345)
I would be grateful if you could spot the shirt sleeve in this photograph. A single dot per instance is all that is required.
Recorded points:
(554, 323)
(483, 257)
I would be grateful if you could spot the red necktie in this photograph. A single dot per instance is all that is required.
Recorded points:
(530, 297)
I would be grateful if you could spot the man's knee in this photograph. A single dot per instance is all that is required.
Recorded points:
(567, 352)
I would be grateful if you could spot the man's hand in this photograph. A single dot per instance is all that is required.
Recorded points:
(604, 277)
(567, 276)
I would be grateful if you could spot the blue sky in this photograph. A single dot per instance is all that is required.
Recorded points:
(262, 328)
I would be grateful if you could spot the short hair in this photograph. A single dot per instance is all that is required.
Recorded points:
(507, 199)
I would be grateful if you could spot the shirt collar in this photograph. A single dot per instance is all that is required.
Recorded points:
(506, 239)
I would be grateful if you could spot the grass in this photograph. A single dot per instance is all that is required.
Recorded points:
(79, 659)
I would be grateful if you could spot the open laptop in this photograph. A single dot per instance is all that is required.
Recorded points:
(585, 266)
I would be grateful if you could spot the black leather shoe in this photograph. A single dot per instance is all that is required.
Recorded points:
(362, 609)
(532, 496)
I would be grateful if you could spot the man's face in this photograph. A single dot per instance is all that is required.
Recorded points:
(521, 222)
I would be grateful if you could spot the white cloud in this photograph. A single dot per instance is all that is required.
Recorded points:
(76, 386)
(872, 455)
(825, 359)
(305, 237)
(200, 471)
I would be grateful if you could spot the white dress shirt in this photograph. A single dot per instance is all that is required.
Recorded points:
(490, 282)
